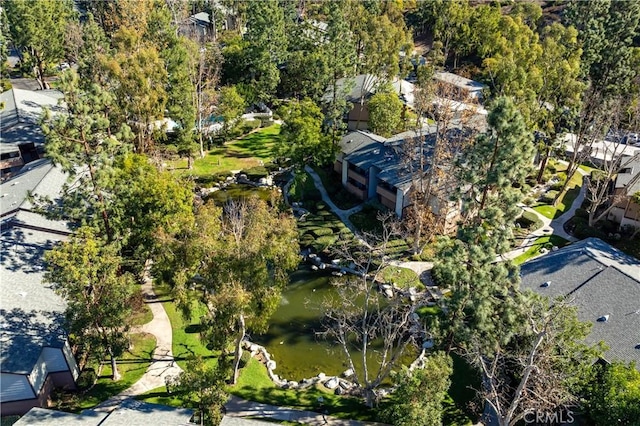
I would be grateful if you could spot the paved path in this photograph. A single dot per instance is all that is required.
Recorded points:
(549, 227)
(237, 407)
(343, 215)
(162, 365)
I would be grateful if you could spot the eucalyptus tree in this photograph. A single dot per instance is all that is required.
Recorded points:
(237, 258)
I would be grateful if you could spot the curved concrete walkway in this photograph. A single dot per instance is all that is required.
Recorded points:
(342, 214)
(163, 364)
(237, 407)
(551, 227)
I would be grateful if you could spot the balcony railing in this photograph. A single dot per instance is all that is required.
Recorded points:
(357, 177)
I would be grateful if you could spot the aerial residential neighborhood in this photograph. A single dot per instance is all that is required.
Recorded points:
(344, 212)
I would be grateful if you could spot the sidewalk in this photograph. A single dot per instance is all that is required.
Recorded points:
(163, 364)
(237, 407)
(551, 227)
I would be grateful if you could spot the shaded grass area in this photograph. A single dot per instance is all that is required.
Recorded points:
(247, 152)
(565, 201)
(254, 385)
(402, 277)
(131, 366)
(332, 183)
(185, 332)
(367, 220)
(546, 242)
(142, 315)
(459, 406)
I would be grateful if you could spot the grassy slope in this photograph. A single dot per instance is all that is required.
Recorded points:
(131, 366)
(565, 202)
(541, 242)
(242, 154)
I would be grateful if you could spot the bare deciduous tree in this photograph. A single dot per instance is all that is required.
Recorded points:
(368, 325)
(430, 155)
(534, 370)
(615, 158)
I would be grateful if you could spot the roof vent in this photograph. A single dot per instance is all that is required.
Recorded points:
(15, 183)
(23, 294)
(638, 346)
(604, 318)
(376, 151)
(545, 284)
(350, 140)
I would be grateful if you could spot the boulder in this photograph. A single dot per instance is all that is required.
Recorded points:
(339, 391)
(348, 373)
(271, 365)
(332, 383)
(321, 376)
(389, 293)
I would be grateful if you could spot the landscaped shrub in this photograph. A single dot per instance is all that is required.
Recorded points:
(549, 197)
(582, 213)
(558, 185)
(320, 232)
(529, 220)
(324, 242)
(529, 201)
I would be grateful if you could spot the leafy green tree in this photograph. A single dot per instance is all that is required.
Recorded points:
(94, 46)
(204, 387)
(613, 393)
(606, 31)
(559, 95)
(450, 21)
(385, 112)
(176, 52)
(230, 107)
(301, 139)
(420, 393)
(136, 74)
(147, 203)
(87, 273)
(340, 60)
(240, 257)
(38, 29)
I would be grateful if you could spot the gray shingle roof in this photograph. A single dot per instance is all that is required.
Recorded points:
(137, 413)
(600, 280)
(31, 314)
(44, 417)
(129, 413)
(19, 120)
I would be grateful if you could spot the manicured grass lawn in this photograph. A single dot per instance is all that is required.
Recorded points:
(565, 202)
(242, 154)
(186, 337)
(254, 385)
(547, 241)
(131, 366)
(402, 277)
(142, 315)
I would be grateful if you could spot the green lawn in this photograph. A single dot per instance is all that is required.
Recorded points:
(547, 242)
(186, 337)
(250, 151)
(565, 202)
(402, 277)
(131, 366)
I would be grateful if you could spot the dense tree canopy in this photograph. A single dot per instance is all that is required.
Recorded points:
(38, 29)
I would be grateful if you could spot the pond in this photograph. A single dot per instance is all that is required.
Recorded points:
(294, 339)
